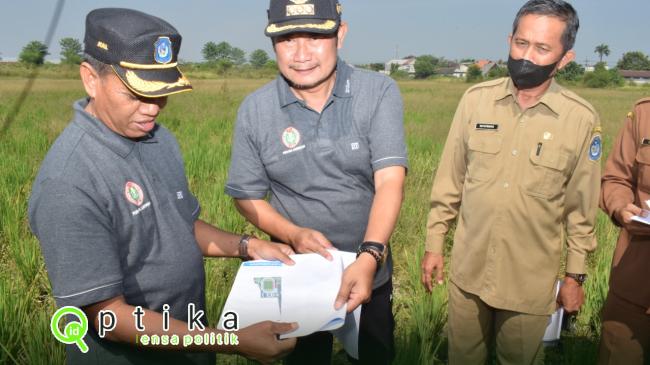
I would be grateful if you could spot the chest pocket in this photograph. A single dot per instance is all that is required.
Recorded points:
(643, 168)
(483, 149)
(547, 174)
(289, 168)
(354, 155)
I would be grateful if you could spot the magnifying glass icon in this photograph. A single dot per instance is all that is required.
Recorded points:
(74, 331)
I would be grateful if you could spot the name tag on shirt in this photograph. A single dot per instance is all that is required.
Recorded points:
(487, 126)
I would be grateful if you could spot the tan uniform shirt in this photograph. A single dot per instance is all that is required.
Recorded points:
(517, 181)
(627, 180)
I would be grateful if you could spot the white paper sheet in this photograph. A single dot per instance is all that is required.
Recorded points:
(302, 293)
(643, 218)
(554, 328)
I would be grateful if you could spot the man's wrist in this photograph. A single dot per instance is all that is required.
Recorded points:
(245, 246)
(577, 279)
(368, 261)
(292, 232)
(377, 250)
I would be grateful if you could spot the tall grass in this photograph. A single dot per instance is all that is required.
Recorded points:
(202, 121)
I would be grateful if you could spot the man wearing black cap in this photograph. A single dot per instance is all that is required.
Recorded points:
(325, 142)
(117, 223)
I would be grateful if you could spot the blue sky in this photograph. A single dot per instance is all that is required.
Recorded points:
(378, 28)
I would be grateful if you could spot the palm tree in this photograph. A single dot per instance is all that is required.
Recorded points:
(602, 49)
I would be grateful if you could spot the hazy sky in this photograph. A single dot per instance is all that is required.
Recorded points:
(379, 29)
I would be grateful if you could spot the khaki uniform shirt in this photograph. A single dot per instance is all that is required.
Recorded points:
(517, 181)
(627, 180)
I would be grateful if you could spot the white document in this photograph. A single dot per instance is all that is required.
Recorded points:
(302, 293)
(554, 328)
(643, 218)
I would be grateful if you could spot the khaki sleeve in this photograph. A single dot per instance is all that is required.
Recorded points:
(448, 183)
(581, 203)
(619, 178)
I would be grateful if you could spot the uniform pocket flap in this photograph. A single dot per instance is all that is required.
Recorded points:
(485, 143)
(551, 159)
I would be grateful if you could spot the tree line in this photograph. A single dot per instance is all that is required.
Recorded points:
(427, 66)
(221, 55)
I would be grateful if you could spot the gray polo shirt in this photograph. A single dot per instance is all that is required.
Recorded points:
(318, 167)
(115, 217)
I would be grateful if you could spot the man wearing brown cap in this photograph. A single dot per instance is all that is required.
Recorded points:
(520, 171)
(625, 193)
(118, 226)
(324, 142)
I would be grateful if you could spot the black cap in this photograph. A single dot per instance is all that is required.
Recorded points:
(313, 16)
(142, 50)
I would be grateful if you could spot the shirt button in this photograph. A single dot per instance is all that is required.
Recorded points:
(506, 185)
(515, 152)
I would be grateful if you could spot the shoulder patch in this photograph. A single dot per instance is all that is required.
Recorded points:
(595, 148)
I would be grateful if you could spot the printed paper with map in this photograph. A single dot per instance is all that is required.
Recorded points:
(303, 293)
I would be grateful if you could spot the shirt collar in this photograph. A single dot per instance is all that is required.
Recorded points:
(550, 98)
(95, 127)
(342, 85)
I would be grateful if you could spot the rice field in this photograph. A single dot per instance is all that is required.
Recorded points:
(203, 122)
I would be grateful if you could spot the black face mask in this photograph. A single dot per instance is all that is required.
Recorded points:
(527, 75)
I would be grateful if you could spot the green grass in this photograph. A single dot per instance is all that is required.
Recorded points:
(202, 121)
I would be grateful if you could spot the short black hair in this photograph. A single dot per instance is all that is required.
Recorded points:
(556, 8)
(102, 68)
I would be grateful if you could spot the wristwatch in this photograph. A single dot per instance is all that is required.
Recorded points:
(376, 249)
(243, 247)
(580, 278)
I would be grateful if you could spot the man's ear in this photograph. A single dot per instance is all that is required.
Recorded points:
(343, 30)
(90, 78)
(569, 56)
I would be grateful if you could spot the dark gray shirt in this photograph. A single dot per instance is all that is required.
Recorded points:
(318, 167)
(115, 217)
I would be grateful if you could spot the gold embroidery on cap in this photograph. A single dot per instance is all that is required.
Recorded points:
(102, 45)
(295, 10)
(330, 24)
(138, 66)
(151, 86)
(299, 2)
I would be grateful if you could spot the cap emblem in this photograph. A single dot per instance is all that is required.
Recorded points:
(163, 50)
(102, 45)
(300, 8)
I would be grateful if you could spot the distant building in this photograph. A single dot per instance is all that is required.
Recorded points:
(461, 70)
(592, 68)
(637, 77)
(406, 64)
(485, 66)
(447, 71)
